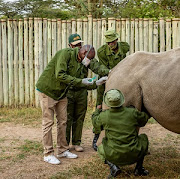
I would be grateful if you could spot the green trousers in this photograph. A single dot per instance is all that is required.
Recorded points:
(76, 111)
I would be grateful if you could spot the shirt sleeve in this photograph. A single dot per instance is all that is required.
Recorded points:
(96, 119)
(61, 70)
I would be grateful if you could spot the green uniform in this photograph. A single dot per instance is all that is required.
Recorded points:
(121, 144)
(77, 98)
(61, 74)
(110, 59)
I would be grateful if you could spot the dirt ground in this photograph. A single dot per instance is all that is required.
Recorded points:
(33, 167)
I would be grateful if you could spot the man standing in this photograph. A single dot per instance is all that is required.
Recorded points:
(53, 84)
(77, 98)
(109, 55)
(121, 145)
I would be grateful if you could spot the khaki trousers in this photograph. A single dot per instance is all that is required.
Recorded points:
(50, 106)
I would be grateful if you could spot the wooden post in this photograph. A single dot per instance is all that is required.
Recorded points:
(146, 35)
(141, 42)
(136, 35)
(90, 41)
(64, 34)
(162, 35)
(128, 32)
(40, 52)
(104, 27)
(10, 62)
(45, 60)
(1, 71)
(175, 32)
(59, 34)
(168, 34)
(123, 34)
(73, 26)
(85, 31)
(4, 60)
(111, 23)
(49, 51)
(132, 37)
(79, 27)
(26, 61)
(54, 37)
(99, 27)
(69, 30)
(31, 63)
(118, 27)
(21, 70)
(155, 37)
(36, 57)
(178, 32)
(150, 35)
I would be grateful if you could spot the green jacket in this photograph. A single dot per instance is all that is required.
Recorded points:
(109, 59)
(121, 144)
(64, 71)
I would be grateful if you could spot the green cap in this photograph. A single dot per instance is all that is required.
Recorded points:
(74, 39)
(114, 98)
(111, 35)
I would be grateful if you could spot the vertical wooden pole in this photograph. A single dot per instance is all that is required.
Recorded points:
(1, 69)
(175, 32)
(146, 34)
(136, 26)
(150, 35)
(178, 32)
(69, 30)
(123, 32)
(49, 55)
(79, 27)
(40, 44)
(99, 29)
(73, 26)
(54, 37)
(21, 70)
(132, 37)
(26, 61)
(141, 41)
(111, 23)
(128, 32)
(45, 60)
(59, 34)
(162, 35)
(155, 37)
(10, 61)
(85, 31)
(168, 34)
(118, 28)
(64, 34)
(104, 28)
(36, 56)
(31, 62)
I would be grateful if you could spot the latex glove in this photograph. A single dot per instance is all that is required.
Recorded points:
(87, 81)
(101, 80)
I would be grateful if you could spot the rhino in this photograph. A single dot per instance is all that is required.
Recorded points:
(151, 83)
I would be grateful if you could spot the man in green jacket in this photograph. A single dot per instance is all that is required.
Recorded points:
(60, 75)
(121, 145)
(109, 55)
(77, 100)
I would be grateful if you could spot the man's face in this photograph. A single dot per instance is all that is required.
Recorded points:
(79, 45)
(86, 52)
(113, 44)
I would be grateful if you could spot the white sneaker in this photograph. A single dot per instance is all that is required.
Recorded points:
(51, 159)
(67, 154)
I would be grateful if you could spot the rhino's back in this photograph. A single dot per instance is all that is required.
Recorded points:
(152, 80)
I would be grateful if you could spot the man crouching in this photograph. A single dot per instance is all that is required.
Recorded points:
(121, 145)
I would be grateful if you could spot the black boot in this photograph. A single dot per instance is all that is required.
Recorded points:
(139, 169)
(114, 170)
(96, 137)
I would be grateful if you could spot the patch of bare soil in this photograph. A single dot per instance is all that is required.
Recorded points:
(33, 166)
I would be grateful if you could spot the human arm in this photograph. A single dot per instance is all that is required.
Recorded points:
(141, 117)
(96, 120)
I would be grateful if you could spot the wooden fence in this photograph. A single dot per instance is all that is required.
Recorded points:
(27, 45)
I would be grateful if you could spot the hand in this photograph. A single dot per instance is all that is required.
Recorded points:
(101, 80)
(99, 106)
(87, 81)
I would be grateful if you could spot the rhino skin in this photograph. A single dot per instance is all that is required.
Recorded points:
(151, 83)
